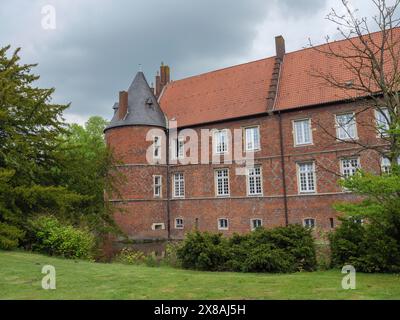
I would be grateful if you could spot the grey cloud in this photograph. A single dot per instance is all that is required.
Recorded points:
(299, 7)
(97, 46)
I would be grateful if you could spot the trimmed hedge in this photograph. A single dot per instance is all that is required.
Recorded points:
(279, 250)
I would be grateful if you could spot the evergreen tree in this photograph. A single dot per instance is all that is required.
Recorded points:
(46, 166)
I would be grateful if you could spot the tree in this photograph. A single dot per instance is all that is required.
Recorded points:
(370, 70)
(87, 167)
(381, 203)
(46, 166)
(368, 74)
(30, 127)
(29, 123)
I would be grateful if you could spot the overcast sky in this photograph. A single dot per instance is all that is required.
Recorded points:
(97, 45)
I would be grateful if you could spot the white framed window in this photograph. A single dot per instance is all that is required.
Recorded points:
(158, 226)
(302, 132)
(255, 223)
(382, 117)
(157, 147)
(254, 181)
(309, 223)
(306, 177)
(252, 138)
(349, 167)
(221, 182)
(179, 223)
(223, 224)
(386, 166)
(179, 148)
(221, 141)
(346, 127)
(157, 186)
(179, 185)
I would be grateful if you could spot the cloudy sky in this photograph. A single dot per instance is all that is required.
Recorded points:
(97, 45)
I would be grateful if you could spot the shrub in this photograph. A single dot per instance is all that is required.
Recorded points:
(267, 258)
(171, 254)
(50, 236)
(203, 251)
(10, 236)
(345, 242)
(151, 260)
(323, 252)
(284, 249)
(367, 247)
(135, 257)
(294, 239)
(130, 256)
(379, 252)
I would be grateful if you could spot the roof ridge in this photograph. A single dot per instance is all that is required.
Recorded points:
(219, 70)
(335, 41)
(266, 58)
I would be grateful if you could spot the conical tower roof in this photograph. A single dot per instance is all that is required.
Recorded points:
(143, 108)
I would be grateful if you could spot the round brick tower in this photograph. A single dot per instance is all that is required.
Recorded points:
(136, 136)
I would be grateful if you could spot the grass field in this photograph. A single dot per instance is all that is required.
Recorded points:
(21, 276)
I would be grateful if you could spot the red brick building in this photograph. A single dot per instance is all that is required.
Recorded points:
(289, 120)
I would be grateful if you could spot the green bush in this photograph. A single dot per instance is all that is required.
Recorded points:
(323, 252)
(294, 239)
(203, 251)
(267, 258)
(135, 257)
(345, 242)
(151, 260)
(10, 236)
(284, 249)
(171, 254)
(48, 235)
(367, 247)
(130, 256)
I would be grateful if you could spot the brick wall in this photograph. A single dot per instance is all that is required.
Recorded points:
(202, 208)
(140, 209)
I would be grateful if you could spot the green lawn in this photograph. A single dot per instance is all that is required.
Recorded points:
(21, 279)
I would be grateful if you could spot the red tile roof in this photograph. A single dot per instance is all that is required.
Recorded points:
(242, 90)
(228, 93)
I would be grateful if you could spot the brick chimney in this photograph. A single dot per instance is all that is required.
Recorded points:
(162, 79)
(123, 104)
(164, 71)
(276, 72)
(158, 85)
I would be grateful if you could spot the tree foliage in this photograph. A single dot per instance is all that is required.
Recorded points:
(46, 166)
(381, 200)
(369, 236)
(87, 168)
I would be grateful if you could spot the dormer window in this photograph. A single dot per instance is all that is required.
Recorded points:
(149, 102)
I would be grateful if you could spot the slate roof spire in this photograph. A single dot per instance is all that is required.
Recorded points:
(142, 107)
